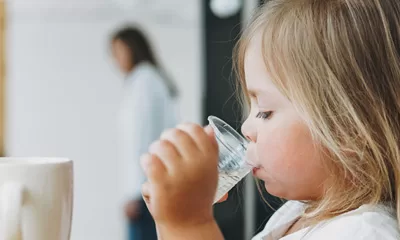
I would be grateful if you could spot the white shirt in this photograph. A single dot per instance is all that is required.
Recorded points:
(365, 223)
(147, 109)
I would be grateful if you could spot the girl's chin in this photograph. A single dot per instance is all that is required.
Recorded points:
(274, 191)
(260, 173)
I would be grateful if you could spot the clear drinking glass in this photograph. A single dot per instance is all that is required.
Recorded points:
(232, 164)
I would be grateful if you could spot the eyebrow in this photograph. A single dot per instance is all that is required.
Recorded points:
(255, 93)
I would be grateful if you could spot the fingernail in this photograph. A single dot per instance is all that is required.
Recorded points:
(209, 129)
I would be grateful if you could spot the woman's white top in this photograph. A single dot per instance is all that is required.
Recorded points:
(365, 223)
(146, 110)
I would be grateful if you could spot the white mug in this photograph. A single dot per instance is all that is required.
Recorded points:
(36, 196)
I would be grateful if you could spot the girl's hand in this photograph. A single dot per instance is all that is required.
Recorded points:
(182, 177)
(224, 198)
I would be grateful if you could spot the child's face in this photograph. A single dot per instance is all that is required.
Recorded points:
(281, 149)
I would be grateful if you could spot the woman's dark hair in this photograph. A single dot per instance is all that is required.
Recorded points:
(141, 51)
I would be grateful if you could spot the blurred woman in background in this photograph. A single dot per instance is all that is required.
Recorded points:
(147, 109)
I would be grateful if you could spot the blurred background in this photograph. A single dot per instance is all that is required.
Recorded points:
(61, 92)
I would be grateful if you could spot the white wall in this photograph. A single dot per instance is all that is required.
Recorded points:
(63, 90)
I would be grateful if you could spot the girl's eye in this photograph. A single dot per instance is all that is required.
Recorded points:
(264, 115)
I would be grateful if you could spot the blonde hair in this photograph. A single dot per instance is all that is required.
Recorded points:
(338, 62)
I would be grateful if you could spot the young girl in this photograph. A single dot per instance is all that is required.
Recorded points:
(322, 79)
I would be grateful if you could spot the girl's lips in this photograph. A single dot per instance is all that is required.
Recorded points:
(255, 170)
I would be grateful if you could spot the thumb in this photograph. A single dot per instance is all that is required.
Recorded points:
(224, 198)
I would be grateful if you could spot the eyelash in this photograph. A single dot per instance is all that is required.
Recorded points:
(264, 115)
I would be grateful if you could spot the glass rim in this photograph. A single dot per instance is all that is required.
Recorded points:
(217, 123)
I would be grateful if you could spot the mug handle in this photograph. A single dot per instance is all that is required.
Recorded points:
(11, 205)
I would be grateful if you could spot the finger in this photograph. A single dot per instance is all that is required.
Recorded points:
(198, 134)
(167, 153)
(146, 192)
(183, 142)
(153, 168)
(211, 134)
(224, 198)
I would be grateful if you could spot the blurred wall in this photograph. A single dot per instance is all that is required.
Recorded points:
(63, 90)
